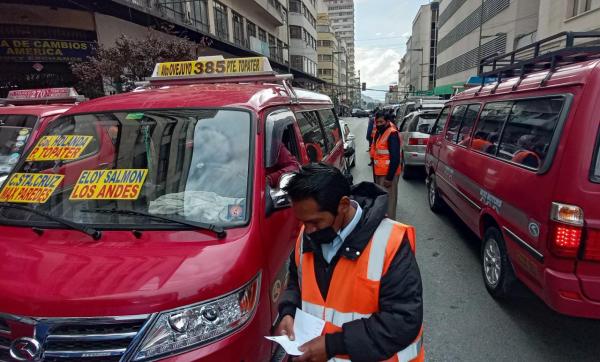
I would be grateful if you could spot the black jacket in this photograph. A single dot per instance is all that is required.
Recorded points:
(399, 319)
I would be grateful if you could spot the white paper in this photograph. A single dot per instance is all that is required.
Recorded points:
(306, 328)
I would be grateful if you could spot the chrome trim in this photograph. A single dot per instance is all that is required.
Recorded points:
(536, 254)
(91, 337)
(4, 331)
(460, 193)
(86, 353)
(4, 347)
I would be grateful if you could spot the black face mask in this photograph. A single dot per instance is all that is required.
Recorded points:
(382, 128)
(323, 236)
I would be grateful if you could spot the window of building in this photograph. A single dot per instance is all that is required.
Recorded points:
(296, 6)
(295, 32)
(467, 124)
(331, 127)
(528, 132)
(238, 28)
(454, 122)
(279, 50)
(487, 131)
(201, 15)
(312, 135)
(221, 23)
(272, 46)
(297, 62)
(250, 29)
(262, 35)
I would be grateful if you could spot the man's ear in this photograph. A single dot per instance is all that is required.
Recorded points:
(344, 205)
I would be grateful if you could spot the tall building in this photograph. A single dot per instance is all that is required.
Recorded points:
(421, 50)
(571, 15)
(328, 54)
(341, 13)
(303, 35)
(234, 28)
(467, 34)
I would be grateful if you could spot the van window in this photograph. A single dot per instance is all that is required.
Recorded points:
(467, 124)
(312, 135)
(487, 131)
(528, 132)
(331, 127)
(454, 123)
(441, 121)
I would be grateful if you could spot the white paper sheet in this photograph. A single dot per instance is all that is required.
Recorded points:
(306, 328)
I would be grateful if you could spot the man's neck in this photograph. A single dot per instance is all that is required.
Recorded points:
(349, 216)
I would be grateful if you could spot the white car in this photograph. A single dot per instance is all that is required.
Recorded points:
(414, 134)
(349, 145)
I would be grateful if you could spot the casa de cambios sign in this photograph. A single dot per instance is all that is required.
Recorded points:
(48, 50)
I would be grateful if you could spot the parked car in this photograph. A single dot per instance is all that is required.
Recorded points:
(357, 112)
(349, 145)
(414, 133)
(518, 162)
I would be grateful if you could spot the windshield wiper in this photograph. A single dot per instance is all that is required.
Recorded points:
(198, 225)
(95, 234)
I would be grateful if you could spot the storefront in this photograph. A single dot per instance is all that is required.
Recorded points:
(39, 56)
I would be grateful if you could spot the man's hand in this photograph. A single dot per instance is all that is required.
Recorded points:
(387, 183)
(286, 327)
(313, 351)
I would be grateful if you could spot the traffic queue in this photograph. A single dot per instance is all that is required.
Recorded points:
(164, 223)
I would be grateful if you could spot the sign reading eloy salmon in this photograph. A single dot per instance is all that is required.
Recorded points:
(34, 188)
(56, 148)
(123, 184)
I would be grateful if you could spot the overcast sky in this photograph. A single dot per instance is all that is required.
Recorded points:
(382, 28)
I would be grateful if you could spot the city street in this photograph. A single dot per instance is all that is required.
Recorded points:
(462, 322)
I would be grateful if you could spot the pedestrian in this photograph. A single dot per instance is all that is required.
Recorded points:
(354, 268)
(385, 152)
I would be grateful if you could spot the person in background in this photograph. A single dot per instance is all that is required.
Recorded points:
(355, 269)
(385, 151)
(286, 162)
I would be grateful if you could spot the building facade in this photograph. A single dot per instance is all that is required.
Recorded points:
(421, 50)
(570, 15)
(234, 28)
(303, 35)
(341, 13)
(470, 30)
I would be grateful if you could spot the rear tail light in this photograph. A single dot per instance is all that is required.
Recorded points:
(566, 229)
(592, 245)
(417, 141)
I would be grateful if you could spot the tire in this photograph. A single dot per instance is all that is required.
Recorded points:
(406, 170)
(436, 204)
(498, 275)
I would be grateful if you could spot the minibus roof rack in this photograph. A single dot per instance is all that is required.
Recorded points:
(561, 49)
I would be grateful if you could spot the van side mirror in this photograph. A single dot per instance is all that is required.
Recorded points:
(351, 137)
(279, 199)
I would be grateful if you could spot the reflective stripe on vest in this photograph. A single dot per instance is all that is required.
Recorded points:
(356, 284)
(383, 152)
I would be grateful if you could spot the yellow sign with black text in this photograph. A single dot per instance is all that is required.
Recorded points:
(57, 148)
(34, 188)
(122, 184)
(212, 67)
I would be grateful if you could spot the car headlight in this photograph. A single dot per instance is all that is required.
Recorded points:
(192, 326)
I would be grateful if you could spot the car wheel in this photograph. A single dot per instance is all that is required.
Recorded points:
(436, 204)
(498, 275)
(406, 170)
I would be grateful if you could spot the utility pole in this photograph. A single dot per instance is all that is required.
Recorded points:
(480, 32)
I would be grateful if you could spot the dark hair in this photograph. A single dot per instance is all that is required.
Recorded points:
(380, 114)
(389, 117)
(323, 183)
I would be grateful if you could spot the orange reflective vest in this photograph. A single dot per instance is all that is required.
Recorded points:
(355, 284)
(380, 152)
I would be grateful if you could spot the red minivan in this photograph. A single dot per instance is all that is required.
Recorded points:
(177, 247)
(517, 161)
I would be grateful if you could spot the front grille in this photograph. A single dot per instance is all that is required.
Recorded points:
(76, 339)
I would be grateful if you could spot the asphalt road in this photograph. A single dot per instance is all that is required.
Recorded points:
(462, 322)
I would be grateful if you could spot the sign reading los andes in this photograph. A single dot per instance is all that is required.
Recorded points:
(44, 50)
(58, 148)
(122, 184)
(35, 188)
(212, 66)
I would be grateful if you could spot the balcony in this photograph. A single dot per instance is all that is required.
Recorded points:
(272, 8)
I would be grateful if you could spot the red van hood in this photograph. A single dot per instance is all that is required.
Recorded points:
(67, 274)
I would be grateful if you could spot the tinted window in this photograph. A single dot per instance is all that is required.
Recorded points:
(596, 166)
(528, 132)
(487, 131)
(422, 122)
(441, 121)
(331, 127)
(454, 123)
(312, 135)
(467, 124)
